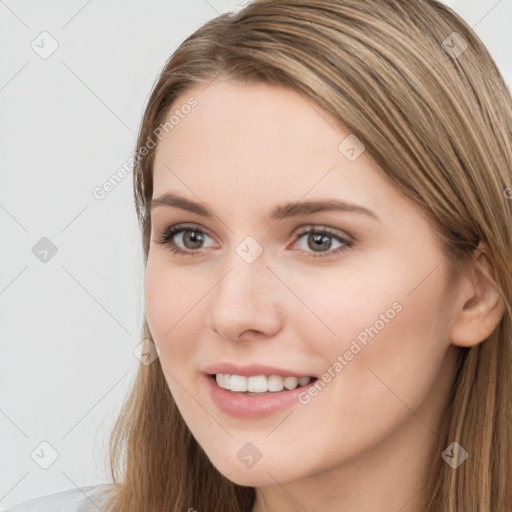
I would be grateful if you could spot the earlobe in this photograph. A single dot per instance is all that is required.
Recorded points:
(482, 304)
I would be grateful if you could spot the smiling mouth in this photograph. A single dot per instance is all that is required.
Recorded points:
(259, 384)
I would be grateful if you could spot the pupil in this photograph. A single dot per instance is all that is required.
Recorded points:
(194, 238)
(319, 240)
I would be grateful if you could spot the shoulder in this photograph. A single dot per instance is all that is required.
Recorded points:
(86, 499)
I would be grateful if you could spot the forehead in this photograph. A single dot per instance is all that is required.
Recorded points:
(253, 142)
(249, 120)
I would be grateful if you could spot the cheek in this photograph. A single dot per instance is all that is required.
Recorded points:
(392, 336)
(346, 304)
(384, 305)
(173, 307)
(387, 320)
(170, 291)
(174, 300)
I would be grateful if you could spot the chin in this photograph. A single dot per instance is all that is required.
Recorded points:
(252, 477)
(260, 474)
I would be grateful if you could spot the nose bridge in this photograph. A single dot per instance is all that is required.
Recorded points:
(244, 298)
(242, 279)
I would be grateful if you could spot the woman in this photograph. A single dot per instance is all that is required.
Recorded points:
(324, 190)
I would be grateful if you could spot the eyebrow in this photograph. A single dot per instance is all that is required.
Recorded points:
(291, 209)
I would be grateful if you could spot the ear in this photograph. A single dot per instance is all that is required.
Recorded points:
(481, 304)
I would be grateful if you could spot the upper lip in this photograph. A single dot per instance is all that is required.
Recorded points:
(251, 370)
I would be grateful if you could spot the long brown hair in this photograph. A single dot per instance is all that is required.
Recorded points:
(413, 81)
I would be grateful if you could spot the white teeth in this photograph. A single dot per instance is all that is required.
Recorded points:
(222, 380)
(303, 381)
(259, 383)
(238, 383)
(275, 383)
(290, 382)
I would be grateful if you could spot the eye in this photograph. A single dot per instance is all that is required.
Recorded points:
(191, 238)
(321, 238)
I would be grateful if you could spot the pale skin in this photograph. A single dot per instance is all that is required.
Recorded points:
(365, 441)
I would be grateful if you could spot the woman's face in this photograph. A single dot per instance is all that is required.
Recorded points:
(273, 284)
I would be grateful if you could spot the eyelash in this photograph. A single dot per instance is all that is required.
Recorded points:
(169, 233)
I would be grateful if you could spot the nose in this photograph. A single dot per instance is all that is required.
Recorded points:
(245, 302)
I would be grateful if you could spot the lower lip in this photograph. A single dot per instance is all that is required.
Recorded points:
(253, 406)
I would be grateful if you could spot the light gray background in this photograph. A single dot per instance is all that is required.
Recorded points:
(69, 121)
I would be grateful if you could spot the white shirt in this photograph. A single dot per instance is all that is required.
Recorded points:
(87, 499)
